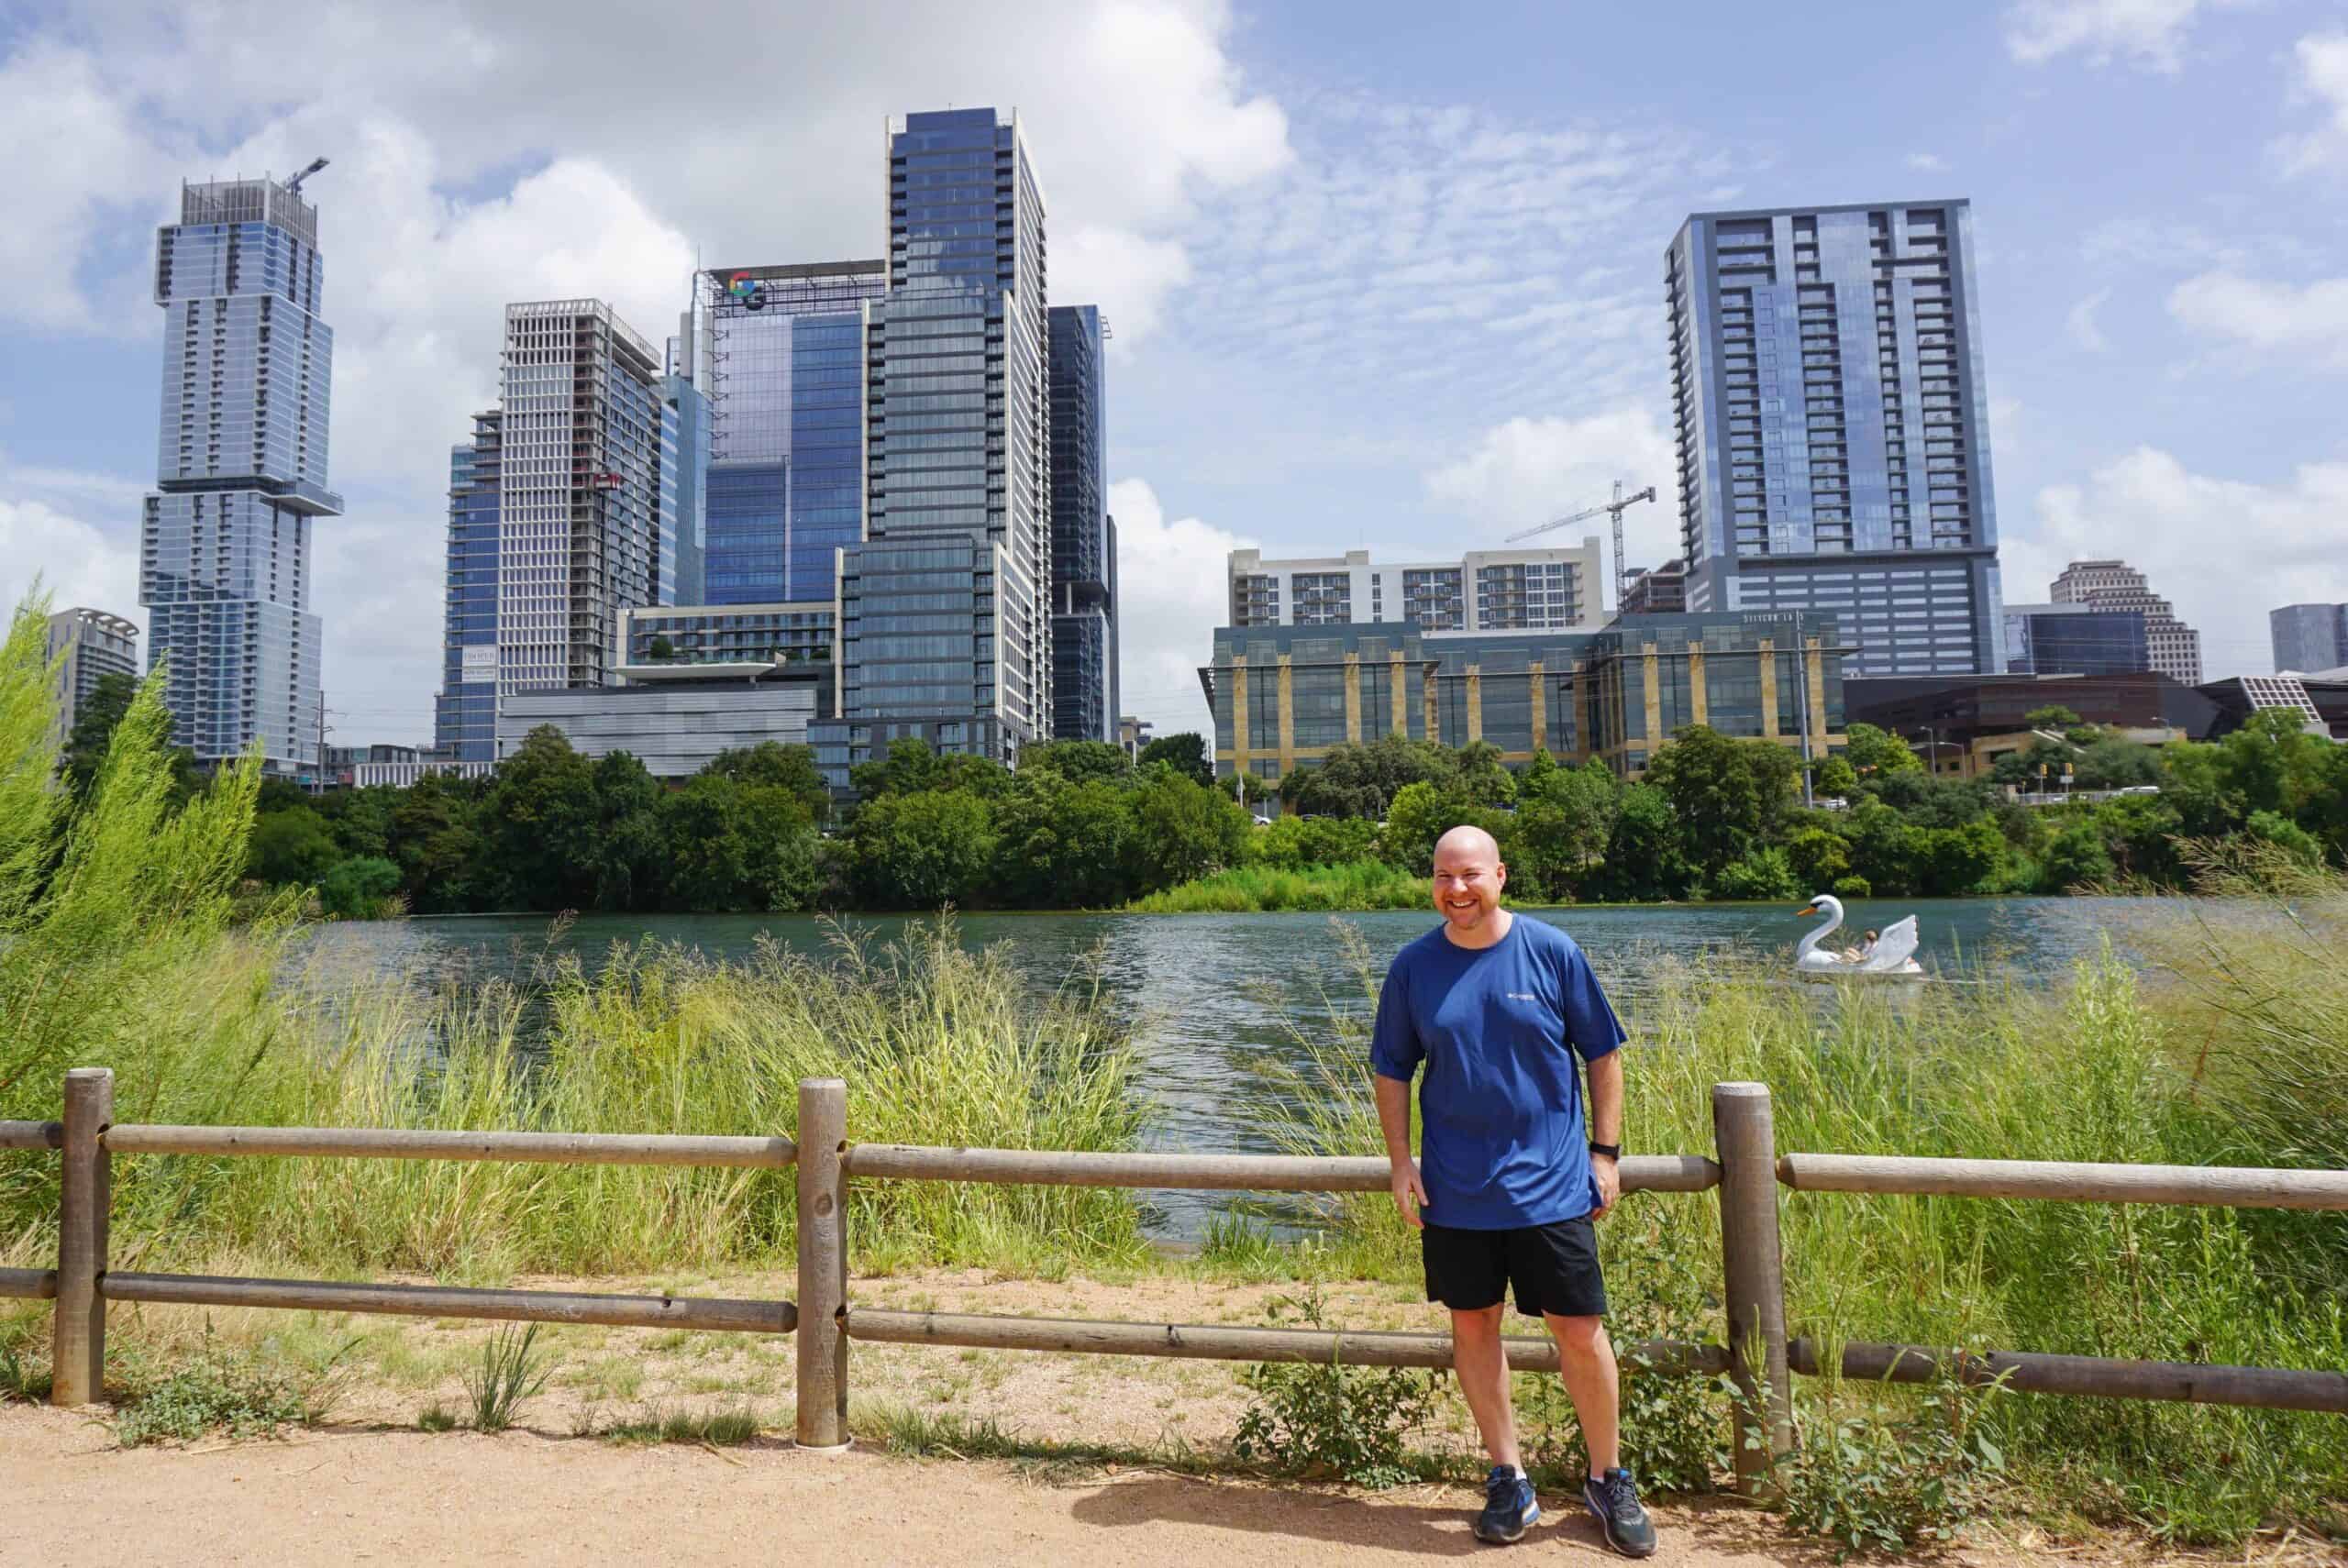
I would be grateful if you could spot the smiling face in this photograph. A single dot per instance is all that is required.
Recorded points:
(1468, 878)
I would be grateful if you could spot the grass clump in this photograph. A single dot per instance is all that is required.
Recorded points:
(1248, 889)
(511, 1373)
(729, 1427)
(436, 1418)
(24, 1359)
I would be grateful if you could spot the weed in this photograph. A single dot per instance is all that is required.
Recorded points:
(1873, 1480)
(436, 1418)
(246, 1393)
(1329, 1420)
(510, 1374)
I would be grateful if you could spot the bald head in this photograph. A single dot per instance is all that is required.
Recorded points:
(1465, 842)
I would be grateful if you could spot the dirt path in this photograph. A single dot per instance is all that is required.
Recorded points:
(348, 1495)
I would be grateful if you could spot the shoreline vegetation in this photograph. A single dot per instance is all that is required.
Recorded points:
(130, 939)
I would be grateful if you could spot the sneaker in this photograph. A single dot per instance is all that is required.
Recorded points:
(1509, 1507)
(1614, 1498)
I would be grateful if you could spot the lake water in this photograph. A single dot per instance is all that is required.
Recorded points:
(1209, 995)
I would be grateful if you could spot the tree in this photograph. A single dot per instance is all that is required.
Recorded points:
(1185, 752)
(922, 850)
(661, 649)
(1874, 753)
(435, 844)
(1644, 858)
(2076, 858)
(630, 849)
(1728, 794)
(93, 732)
(775, 765)
(1183, 831)
(538, 825)
(1062, 844)
(291, 846)
(1765, 876)
(1078, 760)
(1819, 857)
(357, 888)
(1565, 817)
(2054, 716)
(1837, 778)
(1484, 777)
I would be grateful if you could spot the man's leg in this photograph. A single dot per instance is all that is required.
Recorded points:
(1585, 1357)
(1482, 1364)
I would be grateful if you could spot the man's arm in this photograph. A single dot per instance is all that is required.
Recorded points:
(1394, 1121)
(1605, 1126)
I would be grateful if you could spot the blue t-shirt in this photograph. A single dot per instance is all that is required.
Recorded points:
(1501, 1140)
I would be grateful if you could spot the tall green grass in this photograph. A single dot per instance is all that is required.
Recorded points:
(2226, 1040)
(1246, 889)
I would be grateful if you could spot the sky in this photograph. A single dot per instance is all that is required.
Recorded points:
(1380, 275)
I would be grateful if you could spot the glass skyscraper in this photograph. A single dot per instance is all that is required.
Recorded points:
(1084, 539)
(2309, 639)
(224, 549)
(464, 716)
(1833, 428)
(780, 353)
(958, 455)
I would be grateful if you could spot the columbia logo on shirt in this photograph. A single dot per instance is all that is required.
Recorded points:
(1523, 996)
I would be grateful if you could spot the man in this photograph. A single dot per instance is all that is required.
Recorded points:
(1498, 1007)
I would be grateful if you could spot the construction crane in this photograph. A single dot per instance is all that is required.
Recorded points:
(293, 186)
(1615, 506)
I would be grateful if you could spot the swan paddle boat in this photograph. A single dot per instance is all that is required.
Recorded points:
(1894, 952)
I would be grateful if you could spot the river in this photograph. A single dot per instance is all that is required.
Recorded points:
(1210, 993)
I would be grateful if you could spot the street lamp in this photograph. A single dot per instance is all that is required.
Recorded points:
(1932, 739)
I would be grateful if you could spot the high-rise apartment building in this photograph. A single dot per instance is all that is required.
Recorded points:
(778, 351)
(1485, 591)
(587, 492)
(689, 413)
(2173, 648)
(1084, 537)
(84, 644)
(957, 457)
(1833, 428)
(464, 716)
(225, 551)
(2309, 639)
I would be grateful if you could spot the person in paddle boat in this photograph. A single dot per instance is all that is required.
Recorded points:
(1891, 953)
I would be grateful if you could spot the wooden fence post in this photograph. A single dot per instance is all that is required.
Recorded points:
(823, 1264)
(78, 1359)
(1745, 1138)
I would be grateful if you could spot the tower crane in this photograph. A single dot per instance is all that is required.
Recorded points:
(1615, 506)
(293, 186)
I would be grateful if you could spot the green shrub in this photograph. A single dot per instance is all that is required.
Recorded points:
(244, 1392)
(1871, 1481)
(1327, 1419)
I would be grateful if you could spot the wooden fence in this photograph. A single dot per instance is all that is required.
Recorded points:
(1757, 1350)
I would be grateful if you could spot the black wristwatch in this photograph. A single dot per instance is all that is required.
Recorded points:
(1612, 1151)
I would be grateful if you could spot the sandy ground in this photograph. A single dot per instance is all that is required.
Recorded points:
(368, 1487)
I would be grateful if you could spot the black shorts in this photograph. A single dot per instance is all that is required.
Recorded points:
(1554, 1268)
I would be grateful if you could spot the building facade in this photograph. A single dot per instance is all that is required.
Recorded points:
(1831, 424)
(1282, 695)
(2173, 648)
(464, 714)
(1655, 591)
(2075, 639)
(225, 546)
(1084, 537)
(958, 452)
(689, 420)
(586, 492)
(779, 352)
(2309, 639)
(675, 728)
(85, 645)
(1485, 591)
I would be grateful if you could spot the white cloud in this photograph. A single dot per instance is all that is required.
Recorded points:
(76, 563)
(2306, 321)
(1172, 591)
(2323, 78)
(2080, 323)
(2146, 33)
(1526, 472)
(1928, 162)
(2282, 543)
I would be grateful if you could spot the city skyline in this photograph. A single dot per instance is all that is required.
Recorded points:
(1358, 307)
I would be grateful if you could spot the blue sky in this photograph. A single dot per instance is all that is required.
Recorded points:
(1380, 275)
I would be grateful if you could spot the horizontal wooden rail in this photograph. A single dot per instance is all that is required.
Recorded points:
(32, 1134)
(2268, 1388)
(1251, 1172)
(371, 1143)
(1199, 1343)
(28, 1284)
(437, 1301)
(2234, 1185)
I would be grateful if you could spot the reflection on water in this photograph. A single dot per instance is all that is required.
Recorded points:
(1211, 994)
